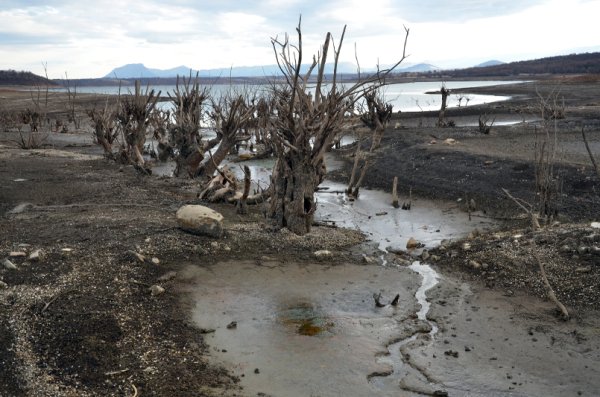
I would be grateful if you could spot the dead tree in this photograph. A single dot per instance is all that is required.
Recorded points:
(105, 131)
(442, 115)
(184, 140)
(305, 125)
(485, 127)
(134, 117)
(231, 114)
(376, 117)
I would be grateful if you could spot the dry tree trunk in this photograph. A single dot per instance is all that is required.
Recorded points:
(442, 115)
(305, 126)
(587, 147)
(395, 202)
(242, 205)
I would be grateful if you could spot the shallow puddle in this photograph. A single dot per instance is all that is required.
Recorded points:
(302, 330)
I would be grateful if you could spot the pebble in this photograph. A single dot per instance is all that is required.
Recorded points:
(156, 290)
(425, 255)
(582, 250)
(155, 260)
(36, 255)
(17, 254)
(369, 260)
(232, 325)
(412, 243)
(474, 264)
(3, 285)
(466, 246)
(323, 254)
(9, 265)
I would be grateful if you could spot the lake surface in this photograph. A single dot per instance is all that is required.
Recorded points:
(406, 97)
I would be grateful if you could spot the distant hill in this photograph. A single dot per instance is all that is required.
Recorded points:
(13, 77)
(587, 63)
(418, 68)
(138, 70)
(492, 62)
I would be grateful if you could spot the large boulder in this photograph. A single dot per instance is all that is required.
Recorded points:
(198, 219)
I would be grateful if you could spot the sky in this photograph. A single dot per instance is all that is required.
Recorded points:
(87, 39)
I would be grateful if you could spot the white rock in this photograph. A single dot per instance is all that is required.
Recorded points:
(596, 225)
(9, 265)
(323, 254)
(36, 255)
(155, 260)
(198, 219)
(156, 290)
(412, 243)
(17, 254)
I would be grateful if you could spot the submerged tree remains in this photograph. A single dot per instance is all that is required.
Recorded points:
(306, 124)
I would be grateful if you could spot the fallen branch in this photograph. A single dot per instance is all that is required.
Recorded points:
(549, 290)
(535, 224)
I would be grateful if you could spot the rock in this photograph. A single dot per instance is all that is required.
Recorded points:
(425, 255)
(369, 260)
(36, 255)
(466, 246)
(582, 250)
(155, 260)
(484, 266)
(474, 264)
(434, 258)
(9, 265)
(67, 250)
(3, 285)
(156, 290)
(256, 371)
(321, 254)
(17, 254)
(595, 250)
(450, 141)
(168, 276)
(595, 225)
(565, 248)
(451, 353)
(136, 256)
(201, 220)
(412, 243)
(583, 269)
(402, 262)
(232, 325)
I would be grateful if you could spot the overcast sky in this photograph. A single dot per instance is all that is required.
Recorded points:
(90, 38)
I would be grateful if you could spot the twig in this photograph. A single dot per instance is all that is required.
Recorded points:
(111, 373)
(135, 391)
(549, 290)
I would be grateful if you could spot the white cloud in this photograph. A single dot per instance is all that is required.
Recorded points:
(88, 39)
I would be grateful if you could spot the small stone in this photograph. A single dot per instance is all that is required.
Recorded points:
(150, 370)
(425, 255)
(36, 255)
(434, 258)
(466, 246)
(168, 276)
(226, 248)
(565, 248)
(256, 371)
(451, 353)
(474, 264)
(155, 260)
(137, 256)
(17, 254)
(595, 225)
(595, 250)
(3, 285)
(582, 250)
(232, 325)
(485, 266)
(323, 254)
(9, 265)
(156, 290)
(583, 269)
(412, 243)
(67, 250)
(369, 260)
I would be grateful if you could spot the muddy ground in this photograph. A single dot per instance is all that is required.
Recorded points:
(81, 318)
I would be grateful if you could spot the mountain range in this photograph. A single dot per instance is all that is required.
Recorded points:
(138, 70)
